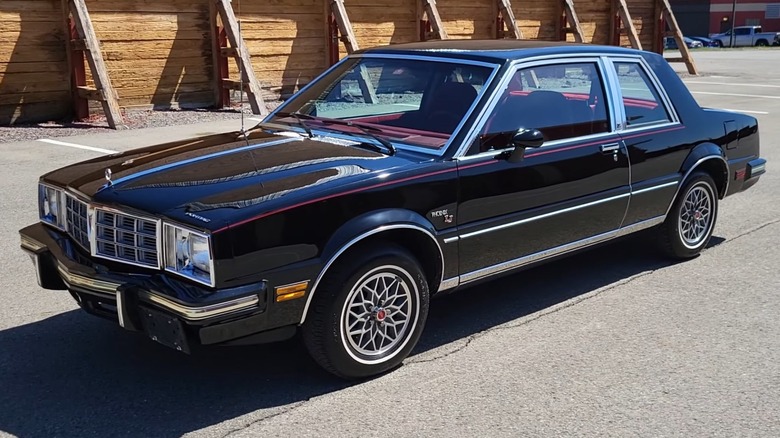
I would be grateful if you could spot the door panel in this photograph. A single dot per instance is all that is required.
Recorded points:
(573, 188)
(552, 198)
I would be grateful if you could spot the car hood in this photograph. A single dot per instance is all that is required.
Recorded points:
(205, 181)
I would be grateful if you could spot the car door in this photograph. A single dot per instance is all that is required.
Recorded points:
(569, 193)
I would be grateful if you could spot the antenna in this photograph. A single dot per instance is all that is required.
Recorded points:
(241, 77)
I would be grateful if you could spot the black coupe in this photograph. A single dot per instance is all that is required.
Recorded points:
(400, 173)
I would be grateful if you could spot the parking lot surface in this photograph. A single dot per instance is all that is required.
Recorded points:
(617, 341)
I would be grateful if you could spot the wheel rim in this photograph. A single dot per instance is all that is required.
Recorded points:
(695, 219)
(379, 313)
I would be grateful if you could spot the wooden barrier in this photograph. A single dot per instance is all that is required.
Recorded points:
(166, 54)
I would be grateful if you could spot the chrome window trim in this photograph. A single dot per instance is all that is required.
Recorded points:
(356, 240)
(543, 216)
(551, 144)
(654, 83)
(695, 167)
(556, 251)
(495, 66)
(514, 66)
(162, 255)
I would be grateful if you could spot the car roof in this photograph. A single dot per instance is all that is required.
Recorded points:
(496, 51)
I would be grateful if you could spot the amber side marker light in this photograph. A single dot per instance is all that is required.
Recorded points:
(291, 291)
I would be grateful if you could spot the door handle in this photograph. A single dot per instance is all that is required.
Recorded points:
(610, 148)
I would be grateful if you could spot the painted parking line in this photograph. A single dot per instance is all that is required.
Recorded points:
(759, 96)
(733, 84)
(77, 146)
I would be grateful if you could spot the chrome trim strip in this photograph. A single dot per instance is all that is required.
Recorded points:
(694, 167)
(196, 313)
(449, 283)
(120, 308)
(102, 287)
(201, 158)
(190, 313)
(552, 252)
(356, 240)
(658, 187)
(562, 142)
(542, 216)
(451, 239)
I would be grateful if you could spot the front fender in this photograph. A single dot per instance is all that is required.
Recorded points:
(365, 226)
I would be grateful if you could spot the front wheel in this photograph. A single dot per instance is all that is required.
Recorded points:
(689, 224)
(368, 312)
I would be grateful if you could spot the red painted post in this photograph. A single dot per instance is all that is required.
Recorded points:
(222, 64)
(333, 40)
(78, 74)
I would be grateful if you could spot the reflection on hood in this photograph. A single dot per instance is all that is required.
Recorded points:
(253, 195)
(250, 174)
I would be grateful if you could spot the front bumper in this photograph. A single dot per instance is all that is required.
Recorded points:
(170, 311)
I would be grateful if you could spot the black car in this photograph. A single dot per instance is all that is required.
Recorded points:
(400, 173)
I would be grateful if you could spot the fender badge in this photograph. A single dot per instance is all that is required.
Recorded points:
(108, 175)
(197, 216)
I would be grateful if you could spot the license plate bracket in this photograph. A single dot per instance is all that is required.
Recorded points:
(164, 329)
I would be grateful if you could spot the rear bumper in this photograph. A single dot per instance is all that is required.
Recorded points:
(169, 311)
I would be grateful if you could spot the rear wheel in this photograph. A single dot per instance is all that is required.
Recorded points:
(689, 224)
(368, 313)
(762, 43)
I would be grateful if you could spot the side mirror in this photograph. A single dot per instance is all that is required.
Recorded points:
(524, 138)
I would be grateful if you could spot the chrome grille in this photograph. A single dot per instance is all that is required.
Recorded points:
(126, 238)
(77, 220)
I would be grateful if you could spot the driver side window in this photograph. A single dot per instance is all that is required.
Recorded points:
(560, 100)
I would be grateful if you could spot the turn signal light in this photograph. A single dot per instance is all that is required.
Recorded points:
(291, 291)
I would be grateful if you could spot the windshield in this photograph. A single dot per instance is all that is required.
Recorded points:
(406, 101)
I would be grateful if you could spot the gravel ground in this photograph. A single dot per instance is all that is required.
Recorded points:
(134, 119)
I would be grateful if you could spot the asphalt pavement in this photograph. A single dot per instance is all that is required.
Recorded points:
(617, 341)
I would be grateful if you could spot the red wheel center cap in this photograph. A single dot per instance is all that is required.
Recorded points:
(381, 314)
(697, 215)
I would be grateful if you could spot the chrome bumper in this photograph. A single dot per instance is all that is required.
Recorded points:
(109, 289)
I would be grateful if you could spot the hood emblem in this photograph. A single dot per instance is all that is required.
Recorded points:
(108, 175)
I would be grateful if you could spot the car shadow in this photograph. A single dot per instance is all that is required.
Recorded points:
(73, 374)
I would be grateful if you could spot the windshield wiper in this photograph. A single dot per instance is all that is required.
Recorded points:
(299, 117)
(366, 130)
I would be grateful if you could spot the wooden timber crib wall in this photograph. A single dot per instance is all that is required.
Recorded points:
(57, 55)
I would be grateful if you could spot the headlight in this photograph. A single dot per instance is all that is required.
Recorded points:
(51, 205)
(188, 253)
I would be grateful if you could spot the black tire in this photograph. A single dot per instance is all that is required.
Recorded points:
(719, 43)
(689, 224)
(762, 43)
(325, 331)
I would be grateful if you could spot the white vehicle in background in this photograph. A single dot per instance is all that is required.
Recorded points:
(747, 36)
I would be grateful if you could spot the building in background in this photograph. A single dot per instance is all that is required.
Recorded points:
(703, 17)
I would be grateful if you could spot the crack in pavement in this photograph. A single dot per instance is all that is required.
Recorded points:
(267, 417)
(566, 304)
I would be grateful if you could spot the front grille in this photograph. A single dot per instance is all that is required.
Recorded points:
(77, 221)
(126, 238)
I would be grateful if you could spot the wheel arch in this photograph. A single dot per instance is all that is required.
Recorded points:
(403, 227)
(711, 159)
